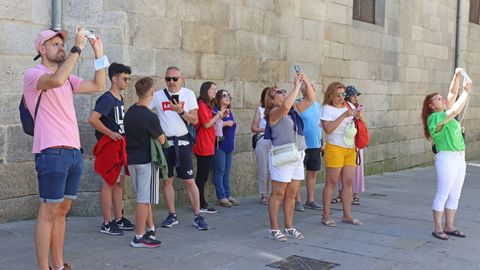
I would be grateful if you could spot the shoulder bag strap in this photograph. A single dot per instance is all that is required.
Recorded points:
(170, 99)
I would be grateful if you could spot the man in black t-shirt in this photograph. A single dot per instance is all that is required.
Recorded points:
(141, 125)
(107, 119)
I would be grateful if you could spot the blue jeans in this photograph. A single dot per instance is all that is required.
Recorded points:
(59, 171)
(221, 173)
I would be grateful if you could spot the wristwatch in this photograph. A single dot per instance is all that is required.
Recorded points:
(76, 49)
(182, 113)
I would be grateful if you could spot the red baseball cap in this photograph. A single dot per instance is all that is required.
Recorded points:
(46, 35)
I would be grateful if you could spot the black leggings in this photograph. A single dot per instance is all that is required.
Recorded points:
(204, 164)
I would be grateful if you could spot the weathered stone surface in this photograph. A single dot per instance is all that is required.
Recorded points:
(274, 71)
(187, 62)
(256, 45)
(248, 19)
(18, 180)
(15, 209)
(19, 145)
(283, 25)
(142, 60)
(198, 38)
(153, 32)
(21, 44)
(15, 10)
(146, 7)
(212, 66)
(313, 10)
(225, 42)
(204, 12)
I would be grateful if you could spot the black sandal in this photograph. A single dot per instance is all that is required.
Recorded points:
(356, 201)
(336, 200)
(456, 233)
(440, 235)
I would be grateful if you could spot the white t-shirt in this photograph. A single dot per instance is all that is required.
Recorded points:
(262, 123)
(172, 123)
(330, 113)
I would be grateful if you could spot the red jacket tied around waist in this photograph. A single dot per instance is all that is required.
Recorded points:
(110, 158)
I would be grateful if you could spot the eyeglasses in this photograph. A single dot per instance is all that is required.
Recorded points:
(126, 79)
(281, 91)
(341, 94)
(169, 79)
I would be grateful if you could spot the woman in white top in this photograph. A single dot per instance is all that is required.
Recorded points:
(262, 149)
(340, 154)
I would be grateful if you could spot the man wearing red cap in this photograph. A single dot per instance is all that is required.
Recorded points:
(56, 140)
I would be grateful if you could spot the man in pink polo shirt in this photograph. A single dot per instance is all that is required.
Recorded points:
(56, 140)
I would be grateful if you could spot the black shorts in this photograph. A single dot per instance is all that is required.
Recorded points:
(185, 168)
(312, 160)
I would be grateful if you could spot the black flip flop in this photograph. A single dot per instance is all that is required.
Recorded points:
(438, 235)
(456, 233)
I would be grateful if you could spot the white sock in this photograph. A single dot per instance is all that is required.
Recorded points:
(139, 236)
(151, 229)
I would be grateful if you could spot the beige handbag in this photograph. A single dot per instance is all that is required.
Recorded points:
(284, 154)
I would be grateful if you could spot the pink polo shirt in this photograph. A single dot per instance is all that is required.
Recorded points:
(56, 122)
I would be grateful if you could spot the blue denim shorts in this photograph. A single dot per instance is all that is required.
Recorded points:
(59, 171)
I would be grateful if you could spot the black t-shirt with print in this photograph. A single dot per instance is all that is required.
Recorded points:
(112, 111)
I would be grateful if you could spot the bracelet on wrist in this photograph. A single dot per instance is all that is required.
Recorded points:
(182, 113)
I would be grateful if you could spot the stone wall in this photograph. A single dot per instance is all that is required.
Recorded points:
(244, 46)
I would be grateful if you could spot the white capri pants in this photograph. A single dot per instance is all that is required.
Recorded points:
(450, 167)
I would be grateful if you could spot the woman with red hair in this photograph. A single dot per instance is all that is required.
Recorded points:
(445, 131)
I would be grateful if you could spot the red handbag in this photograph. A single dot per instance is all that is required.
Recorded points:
(362, 139)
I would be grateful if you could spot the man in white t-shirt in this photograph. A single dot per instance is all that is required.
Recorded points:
(176, 106)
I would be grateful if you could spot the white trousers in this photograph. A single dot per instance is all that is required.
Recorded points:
(261, 153)
(450, 168)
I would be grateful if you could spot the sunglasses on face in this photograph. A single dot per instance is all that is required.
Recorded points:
(225, 95)
(126, 79)
(341, 94)
(169, 79)
(281, 91)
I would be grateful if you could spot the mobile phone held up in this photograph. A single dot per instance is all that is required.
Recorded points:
(360, 107)
(176, 98)
(297, 68)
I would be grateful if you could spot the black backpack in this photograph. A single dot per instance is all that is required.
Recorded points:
(28, 122)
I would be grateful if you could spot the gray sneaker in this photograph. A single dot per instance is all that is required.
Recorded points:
(313, 205)
(299, 207)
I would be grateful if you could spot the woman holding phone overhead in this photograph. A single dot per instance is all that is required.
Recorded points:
(440, 125)
(285, 128)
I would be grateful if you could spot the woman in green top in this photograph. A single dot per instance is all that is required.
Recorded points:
(440, 126)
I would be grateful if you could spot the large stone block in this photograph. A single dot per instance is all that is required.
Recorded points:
(142, 60)
(18, 180)
(205, 12)
(19, 145)
(3, 147)
(283, 25)
(290, 7)
(256, 45)
(336, 67)
(248, 19)
(21, 44)
(83, 107)
(85, 13)
(145, 7)
(358, 70)
(212, 67)
(252, 92)
(243, 118)
(305, 51)
(9, 109)
(313, 10)
(188, 62)
(198, 38)
(13, 68)
(154, 32)
(86, 204)
(243, 143)
(274, 71)
(15, 10)
(242, 174)
(313, 30)
(41, 12)
(87, 139)
(337, 13)
(226, 42)
(249, 69)
(19, 208)
(265, 4)
(336, 32)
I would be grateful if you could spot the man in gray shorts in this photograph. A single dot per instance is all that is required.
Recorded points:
(140, 126)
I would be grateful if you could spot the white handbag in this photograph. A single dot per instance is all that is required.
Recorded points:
(284, 154)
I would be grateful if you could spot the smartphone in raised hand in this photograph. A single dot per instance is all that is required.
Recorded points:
(176, 98)
(360, 107)
(297, 68)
